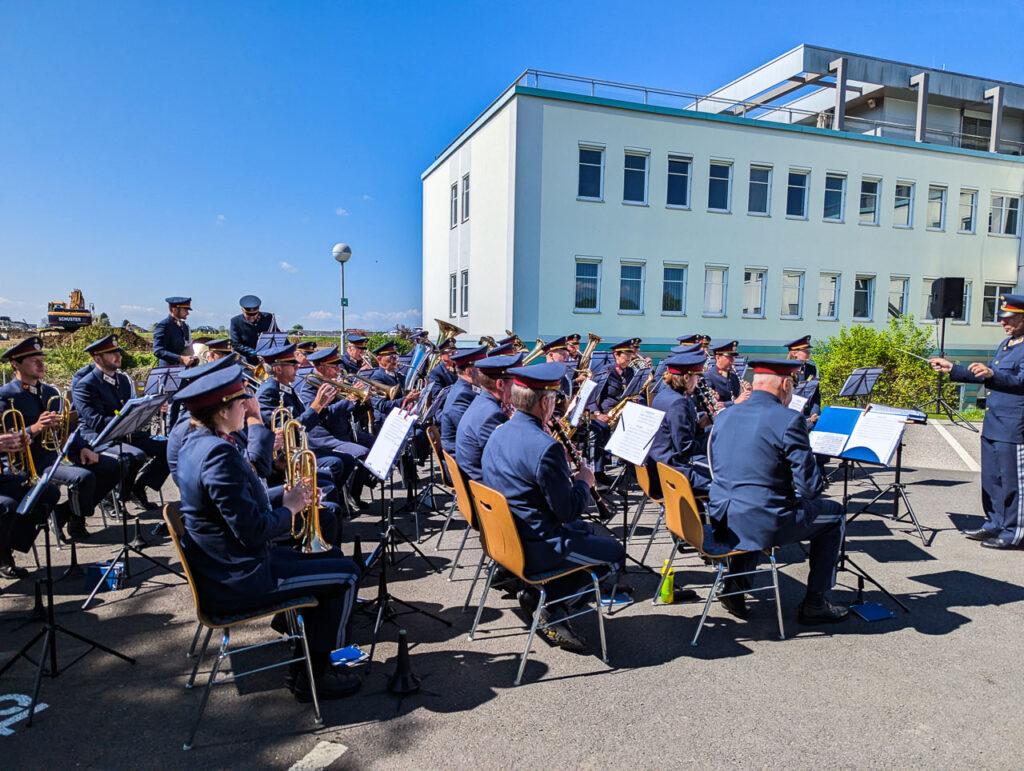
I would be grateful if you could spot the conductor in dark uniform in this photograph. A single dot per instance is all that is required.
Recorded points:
(461, 394)
(171, 336)
(528, 466)
(488, 410)
(230, 533)
(247, 327)
(1002, 433)
(767, 487)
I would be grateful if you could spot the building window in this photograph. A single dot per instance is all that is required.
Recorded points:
(465, 198)
(753, 293)
(968, 211)
(673, 290)
(588, 286)
(591, 184)
(828, 296)
(453, 295)
(631, 288)
(719, 186)
(869, 201)
(760, 194)
(926, 296)
(634, 180)
(975, 133)
(453, 216)
(835, 198)
(936, 208)
(990, 301)
(465, 292)
(796, 194)
(903, 206)
(965, 317)
(792, 294)
(863, 298)
(716, 284)
(678, 193)
(898, 288)
(1004, 215)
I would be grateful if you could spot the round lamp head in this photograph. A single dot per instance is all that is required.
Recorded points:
(342, 253)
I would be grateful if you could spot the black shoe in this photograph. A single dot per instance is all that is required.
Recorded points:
(330, 685)
(8, 569)
(560, 633)
(528, 600)
(998, 543)
(76, 529)
(981, 534)
(736, 604)
(140, 497)
(822, 612)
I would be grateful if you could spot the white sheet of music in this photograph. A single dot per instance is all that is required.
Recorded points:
(827, 443)
(582, 397)
(879, 432)
(635, 432)
(389, 442)
(797, 403)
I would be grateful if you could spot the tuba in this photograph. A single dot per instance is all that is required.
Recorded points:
(53, 439)
(19, 461)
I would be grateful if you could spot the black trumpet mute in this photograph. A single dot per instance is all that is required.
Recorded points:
(403, 681)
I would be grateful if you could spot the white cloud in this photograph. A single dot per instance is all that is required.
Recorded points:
(320, 315)
(221, 219)
(370, 318)
(4, 301)
(287, 267)
(367, 197)
(138, 308)
(341, 212)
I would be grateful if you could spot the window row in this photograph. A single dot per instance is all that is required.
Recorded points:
(824, 294)
(458, 291)
(1003, 212)
(453, 209)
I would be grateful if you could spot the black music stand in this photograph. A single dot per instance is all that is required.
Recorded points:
(48, 652)
(268, 341)
(858, 386)
(943, 407)
(164, 380)
(426, 409)
(134, 416)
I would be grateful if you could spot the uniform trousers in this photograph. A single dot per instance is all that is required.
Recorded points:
(1002, 475)
(582, 546)
(141, 447)
(88, 484)
(16, 531)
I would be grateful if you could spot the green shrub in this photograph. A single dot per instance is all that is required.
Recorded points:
(906, 380)
(378, 339)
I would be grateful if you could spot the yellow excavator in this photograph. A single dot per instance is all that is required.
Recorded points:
(70, 315)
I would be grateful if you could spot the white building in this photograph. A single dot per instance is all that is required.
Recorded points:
(822, 189)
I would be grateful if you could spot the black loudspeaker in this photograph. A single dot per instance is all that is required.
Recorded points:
(947, 299)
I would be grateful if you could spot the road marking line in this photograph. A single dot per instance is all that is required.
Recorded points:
(964, 455)
(321, 756)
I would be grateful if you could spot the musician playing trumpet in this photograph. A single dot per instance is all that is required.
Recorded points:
(722, 377)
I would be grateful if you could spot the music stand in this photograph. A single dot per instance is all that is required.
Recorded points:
(164, 379)
(860, 383)
(134, 416)
(941, 405)
(48, 652)
(268, 341)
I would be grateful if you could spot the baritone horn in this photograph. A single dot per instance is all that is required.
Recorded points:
(583, 367)
(301, 468)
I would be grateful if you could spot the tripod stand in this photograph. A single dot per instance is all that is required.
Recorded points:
(899, 491)
(48, 633)
(942, 407)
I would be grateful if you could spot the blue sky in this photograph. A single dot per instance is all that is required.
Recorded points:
(215, 149)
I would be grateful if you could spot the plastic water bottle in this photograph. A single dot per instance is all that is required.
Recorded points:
(668, 593)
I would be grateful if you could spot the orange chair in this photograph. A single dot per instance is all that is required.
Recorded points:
(290, 608)
(465, 505)
(684, 522)
(643, 479)
(503, 545)
(434, 440)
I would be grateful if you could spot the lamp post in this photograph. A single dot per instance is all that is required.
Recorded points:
(342, 253)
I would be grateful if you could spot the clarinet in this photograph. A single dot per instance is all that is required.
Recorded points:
(559, 433)
(705, 398)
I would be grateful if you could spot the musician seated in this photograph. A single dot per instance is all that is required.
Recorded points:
(572, 345)
(528, 466)
(247, 327)
(352, 360)
(389, 374)
(461, 394)
(659, 372)
(489, 409)
(723, 379)
(680, 441)
(766, 491)
(231, 527)
(17, 532)
(303, 348)
(613, 381)
(171, 336)
(98, 397)
(89, 477)
(443, 374)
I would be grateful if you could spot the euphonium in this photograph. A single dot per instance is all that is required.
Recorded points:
(538, 350)
(517, 344)
(487, 340)
(53, 439)
(19, 461)
(583, 367)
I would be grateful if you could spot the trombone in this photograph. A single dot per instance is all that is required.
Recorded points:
(53, 439)
(19, 461)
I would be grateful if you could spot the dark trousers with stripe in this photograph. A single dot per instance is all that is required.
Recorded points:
(582, 547)
(1002, 474)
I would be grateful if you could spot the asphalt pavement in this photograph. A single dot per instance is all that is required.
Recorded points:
(936, 687)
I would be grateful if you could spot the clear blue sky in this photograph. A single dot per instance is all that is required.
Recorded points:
(214, 148)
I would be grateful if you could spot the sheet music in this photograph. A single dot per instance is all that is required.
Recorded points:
(635, 432)
(878, 432)
(909, 414)
(827, 443)
(796, 403)
(581, 402)
(389, 442)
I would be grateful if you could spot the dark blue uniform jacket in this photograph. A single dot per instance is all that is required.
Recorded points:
(31, 402)
(170, 339)
(270, 395)
(459, 398)
(477, 424)
(1004, 409)
(245, 334)
(97, 397)
(727, 386)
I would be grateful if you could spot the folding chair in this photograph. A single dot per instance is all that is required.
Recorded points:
(684, 522)
(434, 440)
(290, 608)
(503, 545)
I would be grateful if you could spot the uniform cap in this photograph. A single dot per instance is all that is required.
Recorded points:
(357, 340)
(106, 344)
(685, 363)
(469, 356)
(306, 346)
(496, 366)
(324, 356)
(801, 343)
(179, 302)
(388, 348)
(1010, 304)
(725, 348)
(687, 339)
(573, 338)
(283, 354)
(629, 344)
(30, 346)
(194, 373)
(780, 367)
(250, 302)
(220, 344)
(558, 344)
(540, 377)
(215, 387)
(501, 350)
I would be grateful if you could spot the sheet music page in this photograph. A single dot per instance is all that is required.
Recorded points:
(635, 432)
(389, 442)
(879, 432)
(581, 402)
(827, 443)
(796, 403)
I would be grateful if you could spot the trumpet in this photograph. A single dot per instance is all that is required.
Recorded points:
(19, 461)
(538, 350)
(362, 395)
(257, 373)
(388, 392)
(300, 468)
(53, 439)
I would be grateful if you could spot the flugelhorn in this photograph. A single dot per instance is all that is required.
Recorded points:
(301, 468)
(53, 439)
(583, 368)
(19, 461)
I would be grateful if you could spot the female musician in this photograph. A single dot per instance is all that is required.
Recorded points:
(680, 441)
(230, 530)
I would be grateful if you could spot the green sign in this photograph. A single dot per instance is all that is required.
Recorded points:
(344, 302)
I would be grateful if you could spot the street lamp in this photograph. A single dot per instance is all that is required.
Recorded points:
(342, 253)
